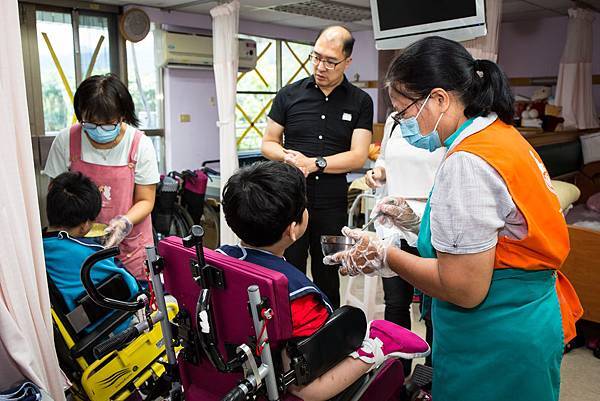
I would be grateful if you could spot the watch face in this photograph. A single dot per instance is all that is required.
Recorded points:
(321, 163)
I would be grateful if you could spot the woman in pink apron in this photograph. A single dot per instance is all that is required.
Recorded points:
(119, 158)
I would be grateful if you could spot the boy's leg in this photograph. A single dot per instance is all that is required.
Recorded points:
(385, 340)
(298, 252)
(325, 222)
(333, 382)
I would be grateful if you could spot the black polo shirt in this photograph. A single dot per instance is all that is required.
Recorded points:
(319, 125)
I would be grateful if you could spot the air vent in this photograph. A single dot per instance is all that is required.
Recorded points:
(327, 10)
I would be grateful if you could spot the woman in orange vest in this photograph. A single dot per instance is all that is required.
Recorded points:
(492, 237)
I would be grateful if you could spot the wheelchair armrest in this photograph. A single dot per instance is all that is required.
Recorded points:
(88, 312)
(92, 290)
(341, 335)
(85, 346)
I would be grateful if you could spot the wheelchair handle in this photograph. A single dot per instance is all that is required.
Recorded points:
(115, 342)
(91, 289)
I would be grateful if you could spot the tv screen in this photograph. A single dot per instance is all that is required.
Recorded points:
(397, 23)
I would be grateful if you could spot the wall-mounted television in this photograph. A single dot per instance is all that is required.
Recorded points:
(398, 23)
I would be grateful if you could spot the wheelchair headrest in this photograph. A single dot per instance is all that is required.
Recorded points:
(230, 303)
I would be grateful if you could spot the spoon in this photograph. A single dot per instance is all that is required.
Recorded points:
(372, 219)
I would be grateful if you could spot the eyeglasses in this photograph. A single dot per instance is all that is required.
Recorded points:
(329, 65)
(400, 115)
(105, 127)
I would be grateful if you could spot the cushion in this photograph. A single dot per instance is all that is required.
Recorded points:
(593, 202)
(567, 193)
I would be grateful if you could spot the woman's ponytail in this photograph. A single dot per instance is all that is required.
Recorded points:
(489, 92)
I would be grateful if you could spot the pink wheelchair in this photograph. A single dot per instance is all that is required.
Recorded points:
(233, 323)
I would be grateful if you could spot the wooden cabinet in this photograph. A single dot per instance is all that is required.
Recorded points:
(377, 132)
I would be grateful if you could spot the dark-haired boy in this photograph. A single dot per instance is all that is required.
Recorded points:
(265, 205)
(72, 204)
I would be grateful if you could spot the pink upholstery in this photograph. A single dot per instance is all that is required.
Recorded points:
(230, 307)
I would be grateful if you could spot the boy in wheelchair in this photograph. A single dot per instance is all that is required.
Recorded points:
(72, 204)
(265, 205)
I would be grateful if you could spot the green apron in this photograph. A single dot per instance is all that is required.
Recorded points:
(507, 348)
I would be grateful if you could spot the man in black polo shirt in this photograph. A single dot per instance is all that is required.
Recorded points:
(322, 124)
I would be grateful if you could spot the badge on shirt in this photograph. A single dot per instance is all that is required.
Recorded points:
(347, 117)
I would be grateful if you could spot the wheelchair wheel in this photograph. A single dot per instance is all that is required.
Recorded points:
(210, 224)
(182, 222)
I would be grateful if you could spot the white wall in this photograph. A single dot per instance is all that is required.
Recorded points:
(188, 144)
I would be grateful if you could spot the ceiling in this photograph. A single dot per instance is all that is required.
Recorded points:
(262, 10)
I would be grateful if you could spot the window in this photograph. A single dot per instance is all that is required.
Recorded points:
(278, 63)
(93, 32)
(61, 48)
(144, 82)
(54, 28)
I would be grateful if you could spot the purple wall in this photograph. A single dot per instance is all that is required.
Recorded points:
(534, 48)
(247, 27)
(364, 62)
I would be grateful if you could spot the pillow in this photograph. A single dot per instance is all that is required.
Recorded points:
(567, 194)
(593, 202)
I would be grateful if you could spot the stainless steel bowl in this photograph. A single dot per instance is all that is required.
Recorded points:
(331, 244)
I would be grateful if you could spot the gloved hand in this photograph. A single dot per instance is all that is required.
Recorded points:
(396, 212)
(118, 228)
(375, 178)
(367, 256)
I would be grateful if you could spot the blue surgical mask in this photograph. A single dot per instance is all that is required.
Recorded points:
(100, 135)
(412, 133)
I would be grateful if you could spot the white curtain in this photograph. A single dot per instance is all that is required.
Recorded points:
(486, 47)
(574, 86)
(226, 54)
(26, 341)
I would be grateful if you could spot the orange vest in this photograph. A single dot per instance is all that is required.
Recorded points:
(546, 244)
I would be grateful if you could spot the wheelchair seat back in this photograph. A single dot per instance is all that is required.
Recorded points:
(229, 281)
(88, 323)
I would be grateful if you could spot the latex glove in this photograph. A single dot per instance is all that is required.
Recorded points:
(118, 228)
(396, 212)
(375, 178)
(367, 256)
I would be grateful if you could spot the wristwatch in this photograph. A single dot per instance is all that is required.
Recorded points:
(321, 163)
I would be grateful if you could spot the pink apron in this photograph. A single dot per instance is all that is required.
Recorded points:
(116, 185)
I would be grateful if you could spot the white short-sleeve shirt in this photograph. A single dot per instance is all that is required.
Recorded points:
(146, 168)
(471, 206)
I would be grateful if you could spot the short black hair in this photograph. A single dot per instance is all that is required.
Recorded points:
(104, 98)
(72, 200)
(261, 200)
(347, 43)
(435, 62)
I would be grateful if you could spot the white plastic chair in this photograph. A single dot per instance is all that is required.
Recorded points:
(368, 301)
